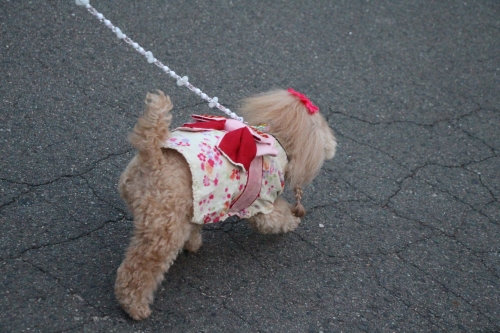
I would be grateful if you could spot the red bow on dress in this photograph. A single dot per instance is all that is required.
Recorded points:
(240, 144)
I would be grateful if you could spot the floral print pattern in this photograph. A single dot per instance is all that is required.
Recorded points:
(217, 183)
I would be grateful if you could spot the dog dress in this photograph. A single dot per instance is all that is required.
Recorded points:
(236, 169)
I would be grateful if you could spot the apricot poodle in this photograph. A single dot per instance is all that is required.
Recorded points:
(171, 195)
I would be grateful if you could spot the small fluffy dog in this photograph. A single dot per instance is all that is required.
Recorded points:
(158, 184)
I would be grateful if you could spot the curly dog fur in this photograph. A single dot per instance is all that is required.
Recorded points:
(157, 187)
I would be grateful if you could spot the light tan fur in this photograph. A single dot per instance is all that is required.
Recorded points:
(157, 187)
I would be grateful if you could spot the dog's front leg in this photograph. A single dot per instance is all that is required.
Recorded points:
(148, 257)
(280, 220)
(194, 241)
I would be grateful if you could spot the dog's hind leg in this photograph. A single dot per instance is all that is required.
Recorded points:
(149, 256)
(280, 220)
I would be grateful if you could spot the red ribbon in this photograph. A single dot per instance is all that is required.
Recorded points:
(311, 108)
(238, 145)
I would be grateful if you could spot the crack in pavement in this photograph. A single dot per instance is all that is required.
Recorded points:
(481, 260)
(67, 240)
(415, 174)
(372, 147)
(358, 189)
(478, 108)
(446, 289)
(472, 136)
(212, 299)
(15, 198)
(442, 233)
(391, 122)
(237, 314)
(248, 252)
(59, 282)
(427, 317)
(399, 248)
(83, 172)
(422, 223)
(94, 192)
(408, 245)
(302, 238)
(401, 164)
(480, 176)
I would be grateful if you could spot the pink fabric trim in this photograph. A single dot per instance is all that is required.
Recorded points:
(264, 142)
(259, 137)
(252, 188)
(206, 125)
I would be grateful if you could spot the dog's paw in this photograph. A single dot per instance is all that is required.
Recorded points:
(133, 292)
(274, 224)
(193, 244)
(139, 311)
(291, 224)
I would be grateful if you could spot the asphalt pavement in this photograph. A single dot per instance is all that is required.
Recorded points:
(402, 232)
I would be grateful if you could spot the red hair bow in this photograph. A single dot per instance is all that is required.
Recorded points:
(311, 108)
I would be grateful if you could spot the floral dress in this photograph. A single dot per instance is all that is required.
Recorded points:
(218, 183)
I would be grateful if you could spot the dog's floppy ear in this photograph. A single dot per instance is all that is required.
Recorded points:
(329, 141)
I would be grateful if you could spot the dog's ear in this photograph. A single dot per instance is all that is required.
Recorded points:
(330, 143)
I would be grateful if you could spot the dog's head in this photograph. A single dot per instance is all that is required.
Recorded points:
(306, 137)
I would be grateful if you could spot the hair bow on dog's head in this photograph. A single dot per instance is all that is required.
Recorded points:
(311, 108)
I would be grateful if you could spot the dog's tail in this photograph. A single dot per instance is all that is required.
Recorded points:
(152, 128)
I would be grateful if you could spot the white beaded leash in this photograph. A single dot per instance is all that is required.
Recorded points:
(181, 81)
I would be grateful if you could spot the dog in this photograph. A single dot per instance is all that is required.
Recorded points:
(159, 188)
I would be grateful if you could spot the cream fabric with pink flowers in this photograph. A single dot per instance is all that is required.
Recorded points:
(218, 183)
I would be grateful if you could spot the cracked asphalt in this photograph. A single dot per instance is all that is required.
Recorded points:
(402, 232)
